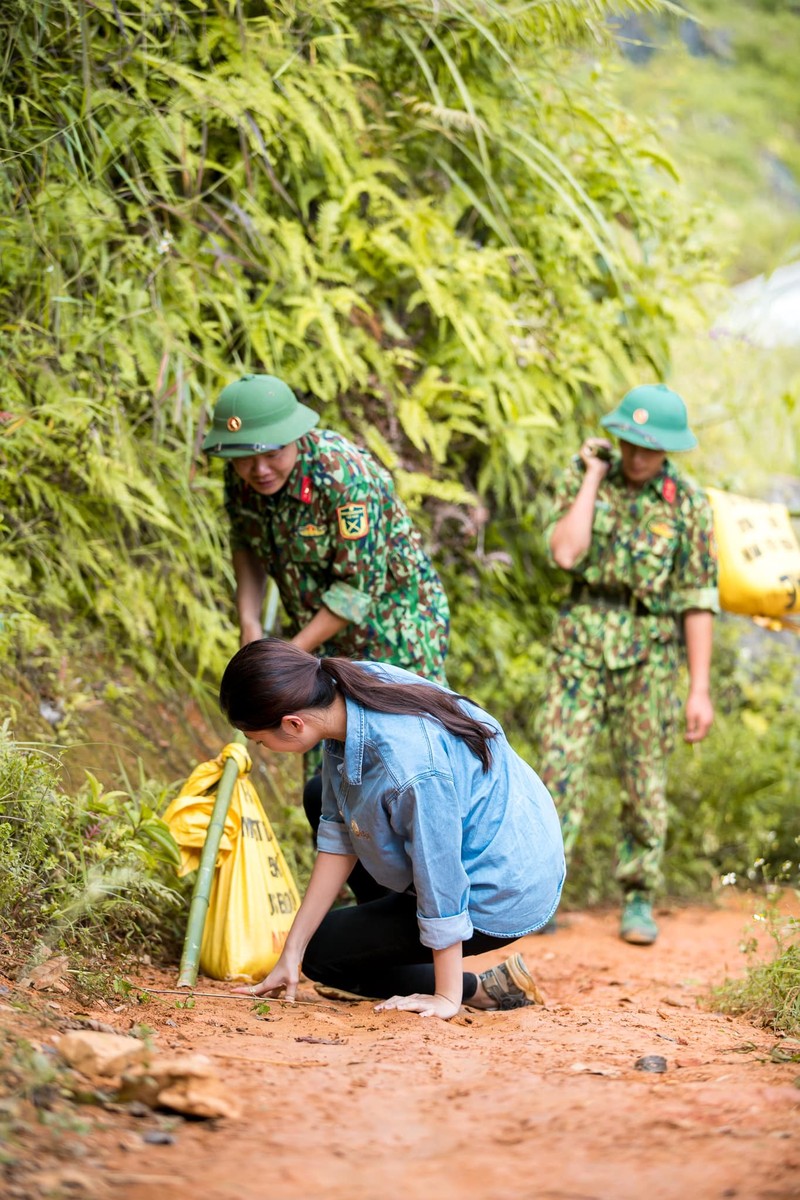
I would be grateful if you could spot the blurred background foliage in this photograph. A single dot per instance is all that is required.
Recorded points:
(459, 231)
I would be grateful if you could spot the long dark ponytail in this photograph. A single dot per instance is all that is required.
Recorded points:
(268, 679)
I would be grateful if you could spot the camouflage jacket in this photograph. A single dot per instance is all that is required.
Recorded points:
(658, 543)
(338, 535)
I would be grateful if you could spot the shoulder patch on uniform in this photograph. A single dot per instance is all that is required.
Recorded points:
(353, 520)
(669, 490)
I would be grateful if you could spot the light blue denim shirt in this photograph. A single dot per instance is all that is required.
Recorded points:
(481, 851)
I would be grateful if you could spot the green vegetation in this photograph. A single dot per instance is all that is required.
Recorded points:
(423, 222)
(87, 870)
(728, 109)
(769, 994)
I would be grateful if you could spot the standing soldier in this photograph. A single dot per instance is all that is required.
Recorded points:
(322, 519)
(637, 538)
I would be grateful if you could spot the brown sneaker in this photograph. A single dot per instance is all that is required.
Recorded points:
(511, 985)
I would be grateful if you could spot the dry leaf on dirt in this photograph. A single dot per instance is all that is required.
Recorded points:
(48, 976)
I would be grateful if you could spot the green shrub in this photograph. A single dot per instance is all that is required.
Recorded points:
(78, 870)
(769, 993)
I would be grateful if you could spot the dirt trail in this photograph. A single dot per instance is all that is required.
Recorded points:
(538, 1104)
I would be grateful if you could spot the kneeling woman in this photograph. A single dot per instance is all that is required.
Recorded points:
(422, 787)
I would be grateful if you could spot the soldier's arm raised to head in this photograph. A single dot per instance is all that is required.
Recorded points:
(251, 587)
(571, 536)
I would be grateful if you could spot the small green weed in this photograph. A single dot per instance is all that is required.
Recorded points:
(85, 869)
(145, 1033)
(769, 994)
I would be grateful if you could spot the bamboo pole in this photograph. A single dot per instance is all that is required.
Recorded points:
(198, 909)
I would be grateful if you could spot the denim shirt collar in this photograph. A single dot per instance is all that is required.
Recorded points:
(355, 739)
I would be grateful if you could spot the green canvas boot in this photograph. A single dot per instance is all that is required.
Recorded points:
(637, 925)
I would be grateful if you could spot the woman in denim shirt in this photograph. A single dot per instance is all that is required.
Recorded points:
(422, 787)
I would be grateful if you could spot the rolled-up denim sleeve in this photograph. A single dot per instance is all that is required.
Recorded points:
(426, 814)
(333, 835)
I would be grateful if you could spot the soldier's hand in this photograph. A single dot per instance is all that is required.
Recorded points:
(699, 716)
(594, 455)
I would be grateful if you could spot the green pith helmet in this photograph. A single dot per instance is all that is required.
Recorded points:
(652, 416)
(255, 414)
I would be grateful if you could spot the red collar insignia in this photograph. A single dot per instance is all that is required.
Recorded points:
(305, 489)
(669, 491)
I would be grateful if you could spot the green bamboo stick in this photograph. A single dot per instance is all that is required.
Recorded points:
(198, 909)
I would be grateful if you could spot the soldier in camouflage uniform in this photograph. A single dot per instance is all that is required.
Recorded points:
(322, 519)
(637, 538)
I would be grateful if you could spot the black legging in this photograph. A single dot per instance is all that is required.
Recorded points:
(373, 949)
(362, 885)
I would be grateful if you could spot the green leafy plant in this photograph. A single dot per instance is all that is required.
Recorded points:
(423, 219)
(769, 992)
(72, 868)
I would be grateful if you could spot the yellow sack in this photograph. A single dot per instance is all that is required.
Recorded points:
(759, 557)
(253, 896)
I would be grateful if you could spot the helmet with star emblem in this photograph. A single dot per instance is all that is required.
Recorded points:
(652, 416)
(255, 414)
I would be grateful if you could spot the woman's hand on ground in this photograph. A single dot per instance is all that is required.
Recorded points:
(283, 975)
(426, 1006)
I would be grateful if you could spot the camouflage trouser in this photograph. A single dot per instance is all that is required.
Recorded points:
(639, 707)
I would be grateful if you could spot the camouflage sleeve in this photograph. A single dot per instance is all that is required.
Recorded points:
(361, 550)
(232, 500)
(566, 489)
(695, 576)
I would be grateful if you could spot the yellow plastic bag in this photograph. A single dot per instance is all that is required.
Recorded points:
(759, 557)
(253, 897)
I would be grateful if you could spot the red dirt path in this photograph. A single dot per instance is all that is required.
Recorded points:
(538, 1104)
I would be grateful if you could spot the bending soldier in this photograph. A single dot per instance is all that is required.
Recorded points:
(637, 538)
(322, 519)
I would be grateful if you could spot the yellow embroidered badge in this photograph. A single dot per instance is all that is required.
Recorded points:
(661, 528)
(311, 531)
(353, 520)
